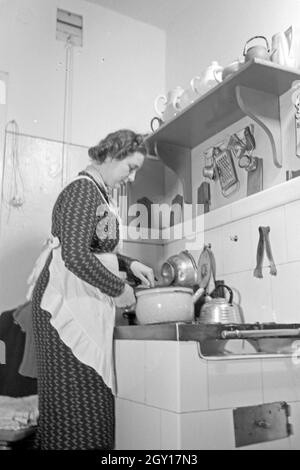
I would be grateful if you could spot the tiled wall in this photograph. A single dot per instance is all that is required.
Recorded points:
(271, 298)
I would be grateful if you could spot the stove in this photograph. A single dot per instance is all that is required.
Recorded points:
(243, 339)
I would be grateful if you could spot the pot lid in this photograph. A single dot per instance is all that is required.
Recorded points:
(160, 290)
(205, 267)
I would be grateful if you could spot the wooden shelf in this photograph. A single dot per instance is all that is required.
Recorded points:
(218, 108)
(253, 91)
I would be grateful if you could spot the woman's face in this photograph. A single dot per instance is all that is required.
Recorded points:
(122, 171)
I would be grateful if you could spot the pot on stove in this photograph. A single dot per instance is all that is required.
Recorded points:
(166, 304)
(219, 310)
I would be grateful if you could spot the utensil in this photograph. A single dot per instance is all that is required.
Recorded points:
(209, 170)
(264, 242)
(203, 196)
(258, 51)
(219, 310)
(205, 268)
(255, 177)
(180, 270)
(226, 171)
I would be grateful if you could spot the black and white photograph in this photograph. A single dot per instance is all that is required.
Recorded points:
(149, 228)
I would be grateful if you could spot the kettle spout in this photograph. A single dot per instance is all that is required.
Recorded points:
(198, 294)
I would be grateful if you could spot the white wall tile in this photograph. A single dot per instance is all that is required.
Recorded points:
(170, 430)
(281, 380)
(173, 248)
(253, 295)
(237, 254)
(275, 219)
(193, 378)
(207, 430)
(162, 374)
(292, 224)
(130, 366)
(234, 383)
(285, 293)
(217, 217)
(137, 426)
(214, 238)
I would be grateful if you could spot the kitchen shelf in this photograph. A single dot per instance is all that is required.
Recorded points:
(253, 91)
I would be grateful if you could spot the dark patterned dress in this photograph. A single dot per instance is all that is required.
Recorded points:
(76, 408)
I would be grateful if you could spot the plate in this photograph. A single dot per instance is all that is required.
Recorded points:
(204, 267)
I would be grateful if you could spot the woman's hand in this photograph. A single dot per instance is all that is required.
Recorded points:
(143, 272)
(127, 298)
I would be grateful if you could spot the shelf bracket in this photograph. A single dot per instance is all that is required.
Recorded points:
(264, 109)
(178, 158)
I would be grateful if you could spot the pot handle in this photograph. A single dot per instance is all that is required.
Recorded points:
(256, 37)
(226, 287)
(198, 294)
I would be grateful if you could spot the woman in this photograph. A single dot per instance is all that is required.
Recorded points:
(74, 301)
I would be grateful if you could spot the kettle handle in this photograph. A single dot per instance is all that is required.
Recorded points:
(226, 287)
(256, 37)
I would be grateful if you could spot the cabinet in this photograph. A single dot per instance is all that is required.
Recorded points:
(253, 91)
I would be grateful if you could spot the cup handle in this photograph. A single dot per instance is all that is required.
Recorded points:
(176, 100)
(159, 121)
(193, 83)
(216, 72)
(160, 99)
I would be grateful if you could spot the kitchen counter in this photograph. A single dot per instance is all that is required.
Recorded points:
(193, 331)
(158, 332)
(220, 342)
(172, 331)
(177, 391)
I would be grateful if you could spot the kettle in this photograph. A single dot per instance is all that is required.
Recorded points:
(258, 51)
(218, 310)
(167, 106)
(208, 79)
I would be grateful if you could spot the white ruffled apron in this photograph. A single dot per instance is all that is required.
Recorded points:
(82, 315)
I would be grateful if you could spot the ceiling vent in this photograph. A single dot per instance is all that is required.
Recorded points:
(69, 27)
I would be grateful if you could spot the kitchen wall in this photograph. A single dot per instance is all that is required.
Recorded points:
(196, 39)
(217, 30)
(193, 42)
(112, 85)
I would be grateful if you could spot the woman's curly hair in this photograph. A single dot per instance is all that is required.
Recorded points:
(118, 145)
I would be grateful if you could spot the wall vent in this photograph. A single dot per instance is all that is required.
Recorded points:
(69, 27)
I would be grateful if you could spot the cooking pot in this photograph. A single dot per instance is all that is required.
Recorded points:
(218, 310)
(258, 52)
(180, 270)
(166, 304)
